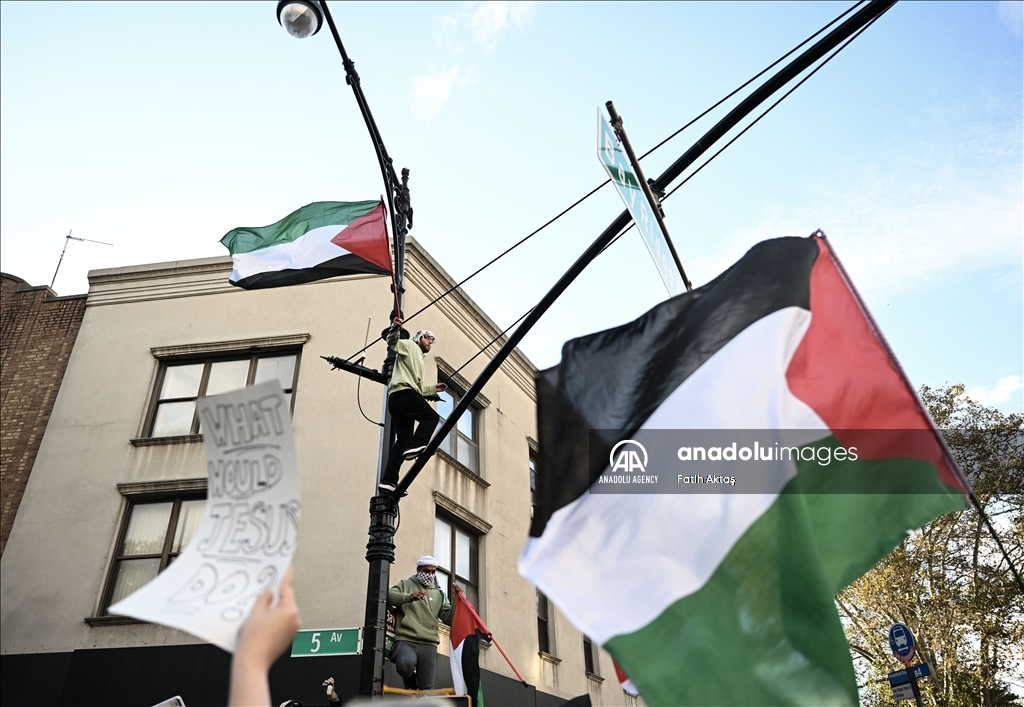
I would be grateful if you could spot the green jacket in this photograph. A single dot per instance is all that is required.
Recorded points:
(408, 371)
(416, 621)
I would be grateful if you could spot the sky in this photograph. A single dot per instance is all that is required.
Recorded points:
(158, 127)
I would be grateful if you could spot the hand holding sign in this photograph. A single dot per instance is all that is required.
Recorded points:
(247, 537)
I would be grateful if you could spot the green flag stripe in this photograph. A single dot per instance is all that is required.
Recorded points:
(296, 224)
(764, 629)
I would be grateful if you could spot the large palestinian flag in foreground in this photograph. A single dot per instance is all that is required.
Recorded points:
(320, 240)
(726, 598)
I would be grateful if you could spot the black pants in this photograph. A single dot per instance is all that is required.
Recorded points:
(407, 407)
(416, 657)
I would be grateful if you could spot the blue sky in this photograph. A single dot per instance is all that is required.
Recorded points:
(159, 127)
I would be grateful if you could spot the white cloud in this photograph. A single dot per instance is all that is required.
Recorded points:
(998, 394)
(431, 91)
(897, 229)
(468, 32)
(1011, 14)
(489, 19)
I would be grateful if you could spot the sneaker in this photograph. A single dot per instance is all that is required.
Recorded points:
(390, 488)
(414, 452)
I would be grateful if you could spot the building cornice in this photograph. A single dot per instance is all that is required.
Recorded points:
(209, 276)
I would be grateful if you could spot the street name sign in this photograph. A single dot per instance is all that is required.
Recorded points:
(903, 692)
(616, 163)
(901, 641)
(921, 670)
(327, 641)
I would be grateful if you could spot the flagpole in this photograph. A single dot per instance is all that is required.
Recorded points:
(872, 11)
(490, 636)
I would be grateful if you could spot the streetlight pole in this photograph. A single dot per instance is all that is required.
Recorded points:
(303, 18)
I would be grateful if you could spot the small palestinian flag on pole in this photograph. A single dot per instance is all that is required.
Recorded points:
(320, 240)
(467, 630)
(726, 598)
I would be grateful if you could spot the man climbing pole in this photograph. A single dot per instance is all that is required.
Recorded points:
(406, 402)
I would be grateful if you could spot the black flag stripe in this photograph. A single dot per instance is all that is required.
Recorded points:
(615, 379)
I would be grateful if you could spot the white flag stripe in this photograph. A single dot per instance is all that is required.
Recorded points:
(458, 679)
(313, 248)
(642, 553)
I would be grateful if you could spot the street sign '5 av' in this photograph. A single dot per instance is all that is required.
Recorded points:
(327, 641)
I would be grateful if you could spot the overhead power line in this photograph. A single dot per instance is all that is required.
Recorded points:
(646, 154)
(649, 152)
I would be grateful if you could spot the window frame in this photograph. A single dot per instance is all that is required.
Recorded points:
(452, 451)
(532, 467)
(143, 494)
(543, 623)
(591, 658)
(471, 586)
(253, 354)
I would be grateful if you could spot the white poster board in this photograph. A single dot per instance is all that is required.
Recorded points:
(248, 534)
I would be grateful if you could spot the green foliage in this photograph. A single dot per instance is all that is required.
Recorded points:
(949, 581)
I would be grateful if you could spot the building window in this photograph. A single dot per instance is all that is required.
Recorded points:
(180, 383)
(455, 550)
(590, 657)
(153, 534)
(533, 483)
(461, 442)
(543, 630)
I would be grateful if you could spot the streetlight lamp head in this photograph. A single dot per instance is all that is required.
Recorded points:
(300, 18)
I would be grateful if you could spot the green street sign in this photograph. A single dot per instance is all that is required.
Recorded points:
(615, 162)
(327, 641)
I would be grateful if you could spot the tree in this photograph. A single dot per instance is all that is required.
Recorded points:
(949, 581)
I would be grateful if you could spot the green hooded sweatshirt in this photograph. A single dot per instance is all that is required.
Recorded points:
(416, 621)
(408, 371)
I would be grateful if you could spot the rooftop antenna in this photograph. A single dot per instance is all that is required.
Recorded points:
(67, 239)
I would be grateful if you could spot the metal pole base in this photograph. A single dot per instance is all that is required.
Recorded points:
(380, 553)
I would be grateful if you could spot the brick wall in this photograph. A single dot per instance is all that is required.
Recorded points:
(37, 331)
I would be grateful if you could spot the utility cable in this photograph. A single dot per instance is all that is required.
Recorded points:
(454, 373)
(632, 224)
(607, 181)
(763, 72)
(659, 144)
(829, 58)
(359, 381)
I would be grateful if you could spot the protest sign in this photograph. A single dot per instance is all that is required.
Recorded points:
(247, 537)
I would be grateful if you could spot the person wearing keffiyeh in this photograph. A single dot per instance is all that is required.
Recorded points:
(419, 605)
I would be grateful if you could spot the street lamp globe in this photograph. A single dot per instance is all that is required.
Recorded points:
(300, 18)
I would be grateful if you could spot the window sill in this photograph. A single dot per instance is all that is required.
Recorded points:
(548, 658)
(594, 677)
(159, 441)
(112, 620)
(462, 468)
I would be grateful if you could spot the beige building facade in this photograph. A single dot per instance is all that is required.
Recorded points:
(119, 480)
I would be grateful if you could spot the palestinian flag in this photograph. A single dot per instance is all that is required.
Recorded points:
(627, 684)
(727, 598)
(467, 630)
(320, 240)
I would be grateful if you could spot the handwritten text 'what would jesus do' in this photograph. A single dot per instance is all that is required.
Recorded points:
(247, 436)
